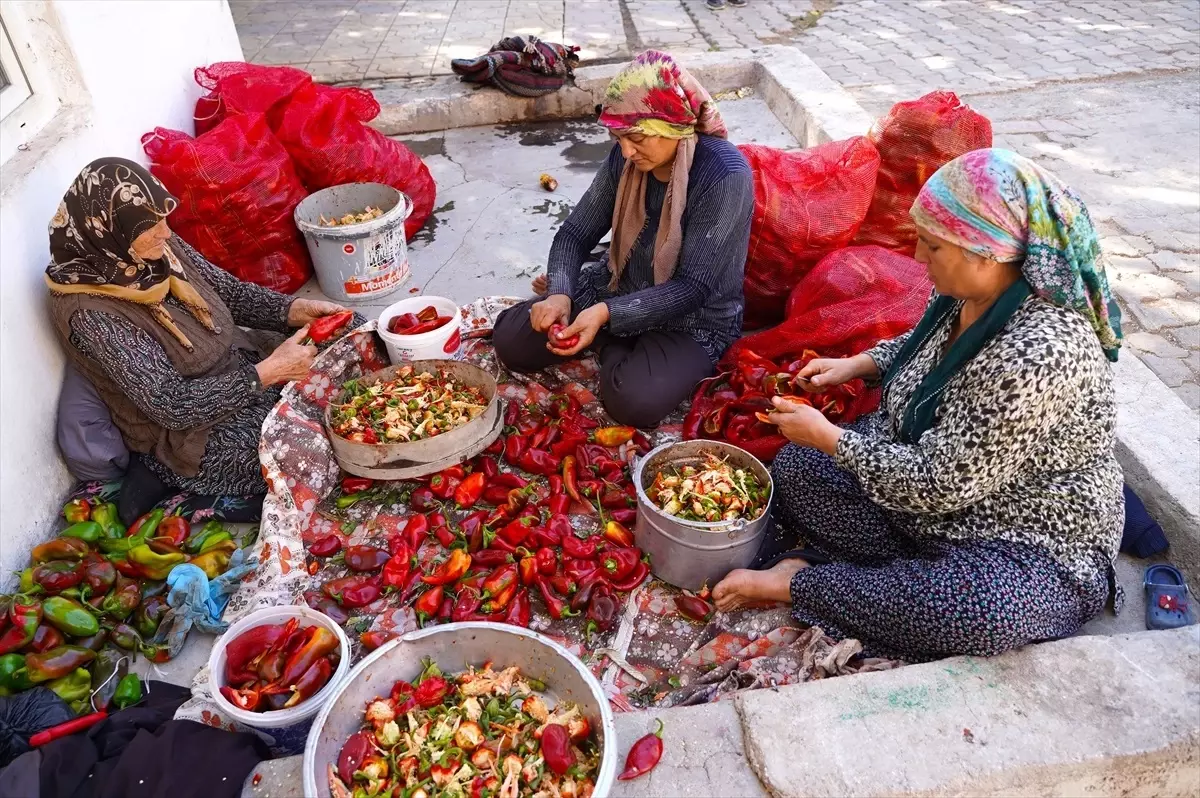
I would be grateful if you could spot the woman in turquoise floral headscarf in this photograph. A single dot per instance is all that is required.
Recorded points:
(981, 507)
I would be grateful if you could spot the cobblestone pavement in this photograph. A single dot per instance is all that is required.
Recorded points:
(1105, 92)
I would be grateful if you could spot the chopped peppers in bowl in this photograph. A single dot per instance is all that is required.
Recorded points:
(480, 733)
(411, 407)
(709, 492)
(365, 215)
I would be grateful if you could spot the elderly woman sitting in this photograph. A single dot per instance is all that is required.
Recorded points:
(981, 507)
(154, 327)
(667, 302)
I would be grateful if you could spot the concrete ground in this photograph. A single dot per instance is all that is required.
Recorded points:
(1102, 91)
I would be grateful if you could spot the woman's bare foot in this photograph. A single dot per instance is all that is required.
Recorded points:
(744, 587)
(540, 285)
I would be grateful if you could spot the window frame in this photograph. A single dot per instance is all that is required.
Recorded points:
(18, 89)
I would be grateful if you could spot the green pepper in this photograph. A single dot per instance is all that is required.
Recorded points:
(105, 515)
(57, 662)
(125, 636)
(75, 686)
(25, 615)
(155, 565)
(129, 691)
(84, 530)
(209, 534)
(60, 549)
(215, 559)
(350, 499)
(13, 674)
(149, 614)
(143, 530)
(58, 575)
(27, 585)
(123, 599)
(69, 617)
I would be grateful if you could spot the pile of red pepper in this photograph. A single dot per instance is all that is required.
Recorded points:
(731, 406)
(427, 320)
(277, 666)
(506, 536)
(97, 585)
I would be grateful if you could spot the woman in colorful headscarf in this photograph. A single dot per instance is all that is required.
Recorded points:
(666, 302)
(154, 327)
(981, 507)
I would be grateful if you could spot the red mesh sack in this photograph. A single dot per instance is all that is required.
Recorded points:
(324, 130)
(249, 88)
(210, 110)
(237, 190)
(806, 204)
(914, 140)
(853, 299)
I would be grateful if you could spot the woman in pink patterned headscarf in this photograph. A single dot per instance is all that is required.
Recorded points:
(666, 301)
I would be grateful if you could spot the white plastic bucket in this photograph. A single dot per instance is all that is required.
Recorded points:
(287, 728)
(440, 344)
(357, 262)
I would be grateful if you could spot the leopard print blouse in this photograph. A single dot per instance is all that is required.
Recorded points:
(1022, 447)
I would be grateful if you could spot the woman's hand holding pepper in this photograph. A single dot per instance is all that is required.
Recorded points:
(291, 360)
(824, 373)
(586, 325)
(805, 425)
(306, 311)
(554, 309)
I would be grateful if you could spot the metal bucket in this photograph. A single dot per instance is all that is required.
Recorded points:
(356, 262)
(688, 554)
(437, 452)
(454, 647)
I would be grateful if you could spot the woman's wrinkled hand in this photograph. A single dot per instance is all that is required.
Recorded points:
(554, 309)
(586, 325)
(291, 360)
(824, 373)
(306, 311)
(805, 425)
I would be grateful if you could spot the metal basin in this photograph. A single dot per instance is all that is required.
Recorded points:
(454, 647)
(688, 554)
(361, 458)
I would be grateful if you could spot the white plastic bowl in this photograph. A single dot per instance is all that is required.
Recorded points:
(286, 725)
(440, 344)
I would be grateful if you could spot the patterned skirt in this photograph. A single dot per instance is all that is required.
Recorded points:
(916, 599)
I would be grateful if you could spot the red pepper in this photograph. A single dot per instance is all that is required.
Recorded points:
(470, 491)
(365, 559)
(618, 535)
(641, 442)
(580, 570)
(400, 325)
(613, 436)
(58, 575)
(428, 604)
(538, 438)
(558, 505)
(565, 447)
(493, 608)
(243, 650)
(359, 595)
(317, 643)
(413, 534)
(446, 609)
(368, 435)
(561, 583)
(557, 339)
(538, 461)
(635, 578)
(583, 422)
(623, 515)
(570, 477)
(422, 500)
(695, 608)
(491, 558)
(555, 484)
(564, 406)
(174, 528)
(326, 546)
(512, 412)
(355, 751)
(77, 511)
(25, 615)
(578, 549)
(510, 480)
(427, 313)
(397, 570)
(528, 570)
(496, 447)
(547, 560)
(514, 447)
(556, 748)
(614, 498)
(310, 682)
(437, 519)
(519, 610)
(443, 486)
(590, 488)
(488, 466)
(450, 570)
(324, 328)
(603, 607)
(515, 532)
(620, 563)
(248, 698)
(45, 638)
(555, 604)
(466, 605)
(445, 536)
(472, 528)
(496, 494)
(643, 756)
(500, 580)
(584, 588)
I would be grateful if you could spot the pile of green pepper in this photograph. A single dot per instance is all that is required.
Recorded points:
(95, 595)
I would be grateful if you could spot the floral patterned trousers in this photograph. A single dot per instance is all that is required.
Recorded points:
(911, 598)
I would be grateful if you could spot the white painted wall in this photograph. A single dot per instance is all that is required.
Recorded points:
(119, 68)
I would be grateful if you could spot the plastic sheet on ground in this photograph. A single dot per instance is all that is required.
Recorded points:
(654, 657)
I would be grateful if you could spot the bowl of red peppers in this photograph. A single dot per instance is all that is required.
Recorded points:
(277, 667)
(505, 657)
(421, 328)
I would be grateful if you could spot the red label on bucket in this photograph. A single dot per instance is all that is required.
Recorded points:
(368, 285)
(348, 249)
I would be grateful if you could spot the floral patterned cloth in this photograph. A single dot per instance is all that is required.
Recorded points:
(1003, 206)
(654, 657)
